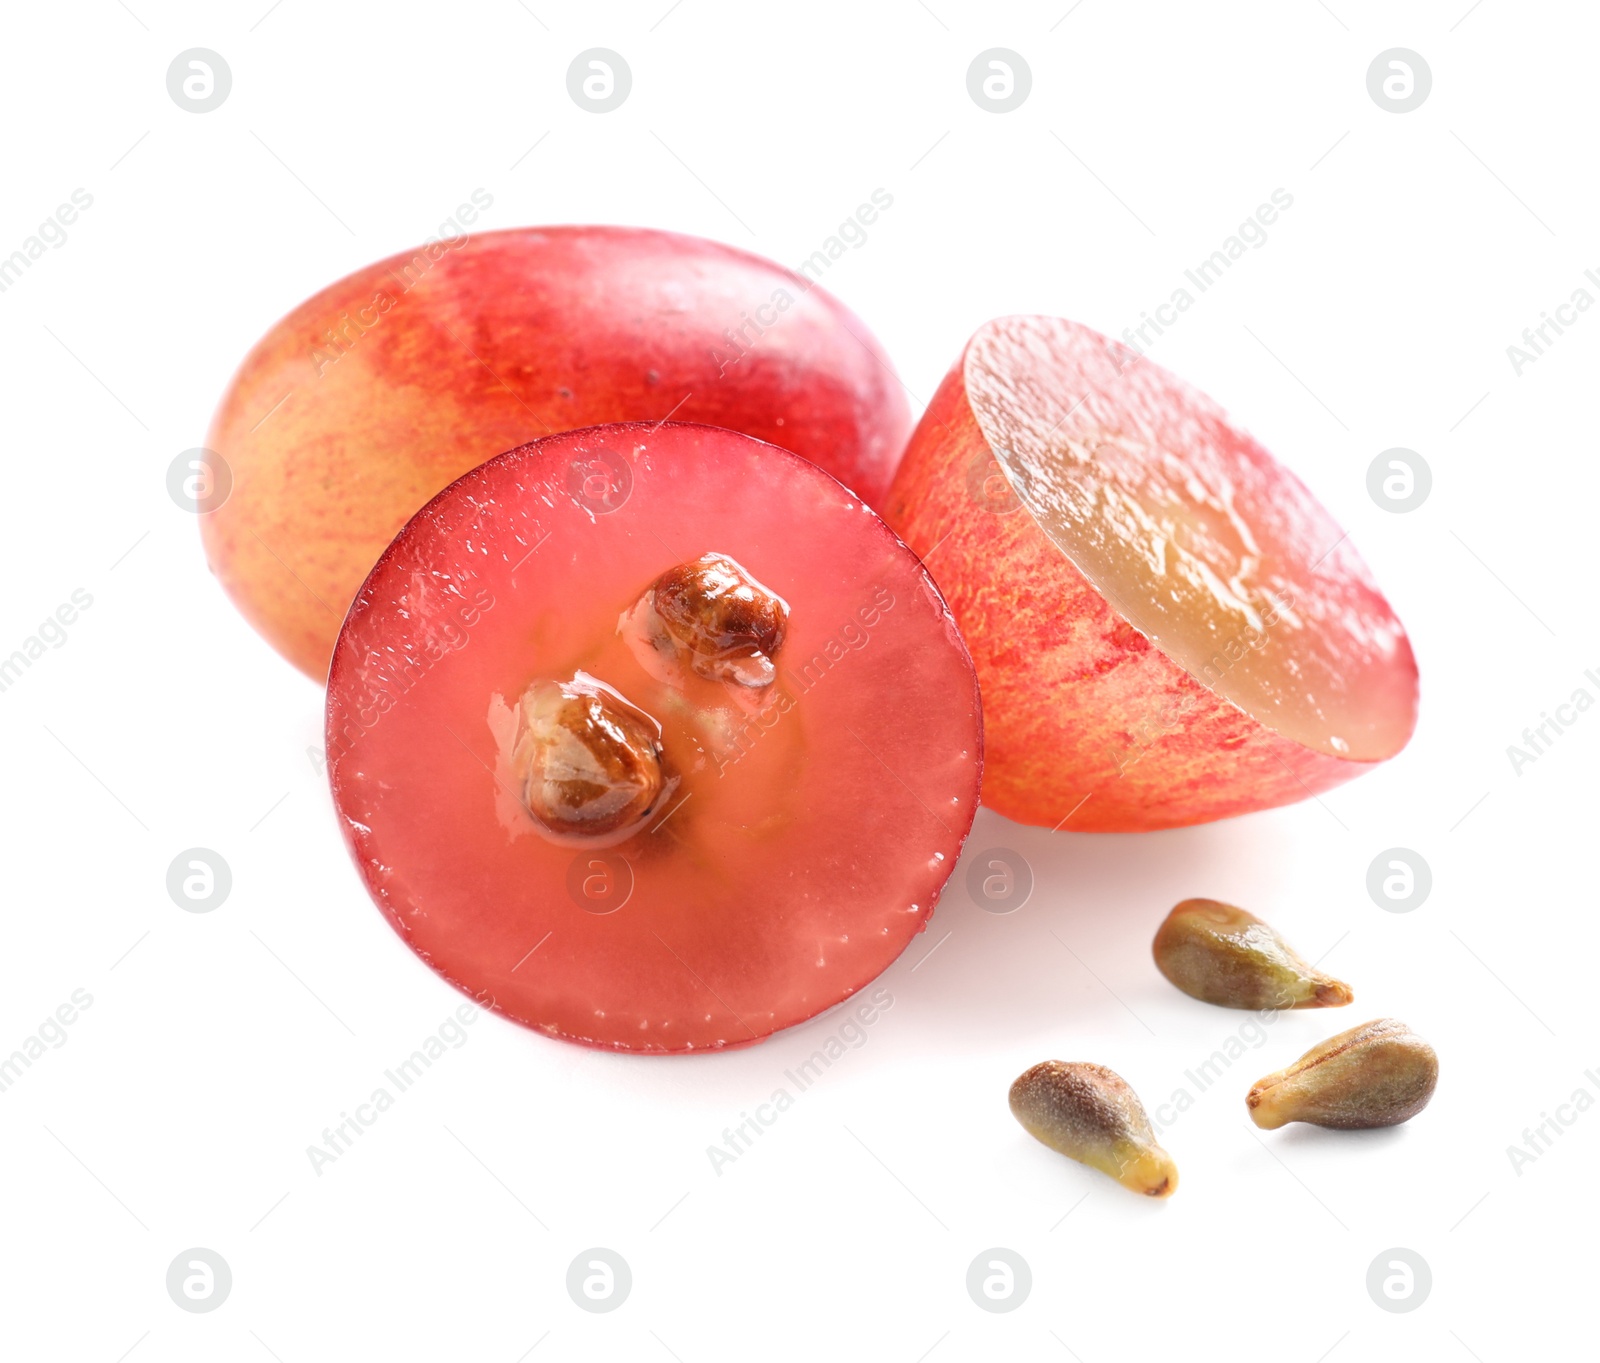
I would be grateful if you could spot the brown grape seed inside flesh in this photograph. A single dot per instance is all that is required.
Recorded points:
(586, 761)
(725, 624)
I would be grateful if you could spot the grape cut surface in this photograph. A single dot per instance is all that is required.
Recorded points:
(802, 830)
(1168, 627)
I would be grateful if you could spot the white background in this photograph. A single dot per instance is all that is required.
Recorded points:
(219, 1045)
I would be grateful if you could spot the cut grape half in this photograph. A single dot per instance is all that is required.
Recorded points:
(1168, 627)
(653, 738)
